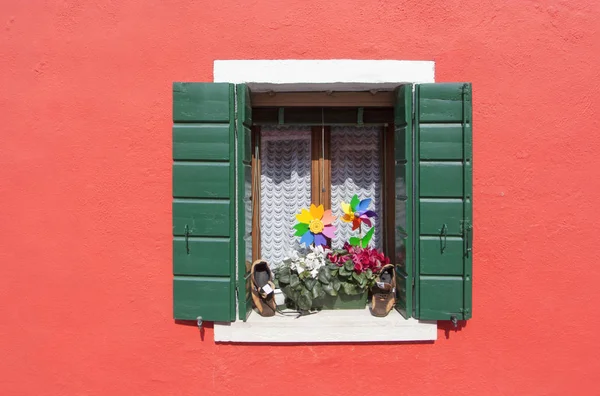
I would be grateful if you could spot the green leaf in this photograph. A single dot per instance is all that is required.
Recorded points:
(324, 275)
(354, 202)
(304, 300)
(350, 289)
(334, 272)
(317, 291)
(330, 290)
(361, 278)
(301, 229)
(354, 241)
(365, 241)
(310, 283)
(284, 275)
(343, 272)
(290, 293)
(336, 284)
(304, 274)
(349, 265)
(294, 280)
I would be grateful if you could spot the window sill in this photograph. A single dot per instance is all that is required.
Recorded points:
(327, 326)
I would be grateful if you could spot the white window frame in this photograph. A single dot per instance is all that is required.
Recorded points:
(320, 75)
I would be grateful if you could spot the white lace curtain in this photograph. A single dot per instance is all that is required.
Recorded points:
(356, 169)
(286, 182)
(285, 188)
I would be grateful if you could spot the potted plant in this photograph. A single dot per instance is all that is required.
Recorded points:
(319, 278)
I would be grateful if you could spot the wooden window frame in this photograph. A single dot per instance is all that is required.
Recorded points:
(321, 177)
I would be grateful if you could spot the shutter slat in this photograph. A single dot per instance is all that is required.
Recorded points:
(198, 256)
(207, 297)
(201, 180)
(201, 142)
(202, 102)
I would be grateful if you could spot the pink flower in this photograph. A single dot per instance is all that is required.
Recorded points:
(363, 258)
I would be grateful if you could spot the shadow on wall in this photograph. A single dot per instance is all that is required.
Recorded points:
(193, 323)
(448, 327)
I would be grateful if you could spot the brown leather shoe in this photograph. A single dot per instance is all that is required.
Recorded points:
(263, 288)
(384, 292)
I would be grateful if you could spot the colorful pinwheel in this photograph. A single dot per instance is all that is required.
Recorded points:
(356, 212)
(315, 225)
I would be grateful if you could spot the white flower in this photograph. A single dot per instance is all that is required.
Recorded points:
(311, 261)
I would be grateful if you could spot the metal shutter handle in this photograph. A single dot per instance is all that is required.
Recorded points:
(444, 235)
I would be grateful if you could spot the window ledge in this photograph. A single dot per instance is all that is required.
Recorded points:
(327, 326)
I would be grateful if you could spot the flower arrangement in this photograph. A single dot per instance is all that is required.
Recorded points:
(311, 277)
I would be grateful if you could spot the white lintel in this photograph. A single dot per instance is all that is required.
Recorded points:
(335, 74)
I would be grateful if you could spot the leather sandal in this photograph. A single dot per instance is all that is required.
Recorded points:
(263, 288)
(384, 292)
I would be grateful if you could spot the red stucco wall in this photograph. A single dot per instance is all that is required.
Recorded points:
(85, 195)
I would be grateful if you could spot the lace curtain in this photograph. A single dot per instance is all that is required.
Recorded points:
(356, 169)
(285, 188)
(286, 182)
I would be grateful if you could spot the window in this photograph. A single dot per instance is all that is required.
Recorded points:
(300, 165)
(428, 166)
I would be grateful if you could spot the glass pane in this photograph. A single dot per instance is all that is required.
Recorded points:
(356, 155)
(285, 188)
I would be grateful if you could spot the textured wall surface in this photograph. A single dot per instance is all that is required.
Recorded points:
(85, 194)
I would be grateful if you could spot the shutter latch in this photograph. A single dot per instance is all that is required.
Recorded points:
(443, 237)
(187, 234)
(466, 230)
(199, 322)
(454, 321)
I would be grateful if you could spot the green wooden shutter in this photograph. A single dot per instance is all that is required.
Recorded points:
(244, 176)
(402, 196)
(444, 210)
(203, 201)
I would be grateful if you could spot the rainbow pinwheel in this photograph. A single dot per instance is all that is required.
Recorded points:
(315, 225)
(356, 212)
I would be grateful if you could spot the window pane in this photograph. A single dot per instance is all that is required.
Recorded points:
(285, 188)
(356, 169)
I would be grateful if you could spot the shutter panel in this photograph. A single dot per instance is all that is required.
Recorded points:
(403, 234)
(244, 199)
(203, 201)
(444, 210)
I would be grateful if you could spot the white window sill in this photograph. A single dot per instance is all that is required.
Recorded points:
(327, 326)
